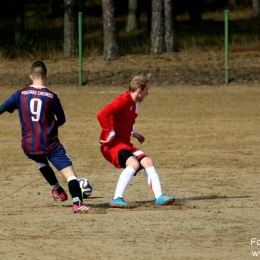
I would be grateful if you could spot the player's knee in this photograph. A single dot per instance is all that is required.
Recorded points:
(133, 162)
(147, 162)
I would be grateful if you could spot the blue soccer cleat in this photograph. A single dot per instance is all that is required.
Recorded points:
(120, 203)
(164, 200)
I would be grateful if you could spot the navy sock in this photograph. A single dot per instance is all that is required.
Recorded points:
(49, 175)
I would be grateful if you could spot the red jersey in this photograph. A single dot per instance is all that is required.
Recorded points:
(119, 116)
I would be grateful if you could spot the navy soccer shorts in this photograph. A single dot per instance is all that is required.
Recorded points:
(59, 158)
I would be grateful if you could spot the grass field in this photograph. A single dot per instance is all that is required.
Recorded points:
(205, 143)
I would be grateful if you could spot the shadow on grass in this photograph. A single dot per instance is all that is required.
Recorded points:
(212, 197)
(180, 203)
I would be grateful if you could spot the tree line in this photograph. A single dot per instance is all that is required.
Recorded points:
(161, 15)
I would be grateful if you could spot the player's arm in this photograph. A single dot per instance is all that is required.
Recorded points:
(61, 119)
(109, 138)
(138, 136)
(10, 104)
(59, 112)
(103, 117)
(2, 108)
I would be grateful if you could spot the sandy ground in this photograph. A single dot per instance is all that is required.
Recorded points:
(202, 134)
(205, 143)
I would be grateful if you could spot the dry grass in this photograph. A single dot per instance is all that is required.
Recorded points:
(183, 68)
(234, 14)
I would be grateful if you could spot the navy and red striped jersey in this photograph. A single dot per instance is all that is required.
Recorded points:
(41, 114)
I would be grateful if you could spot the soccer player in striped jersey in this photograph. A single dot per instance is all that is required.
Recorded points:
(41, 114)
(117, 121)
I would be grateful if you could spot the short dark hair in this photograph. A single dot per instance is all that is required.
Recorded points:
(38, 69)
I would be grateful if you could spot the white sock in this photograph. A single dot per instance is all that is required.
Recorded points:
(153, 181)
(72, 178)
(124, 179)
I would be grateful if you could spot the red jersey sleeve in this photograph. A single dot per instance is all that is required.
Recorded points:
(105, 116)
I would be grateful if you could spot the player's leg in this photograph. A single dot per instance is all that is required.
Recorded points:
(74, 189)
(130, 165)
(151, 176)
(154, 182)
(49, 175)
(62, 163)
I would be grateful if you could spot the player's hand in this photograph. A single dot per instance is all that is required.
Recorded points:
(109, 139)
(139, 137)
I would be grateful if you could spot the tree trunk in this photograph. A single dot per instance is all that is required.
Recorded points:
(132, 16)
(19, 22)
(169, 26)
(256, 8)
(70, 29)
(157, 30)
(111, 48)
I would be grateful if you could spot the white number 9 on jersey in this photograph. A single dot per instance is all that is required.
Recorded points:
(35, 108)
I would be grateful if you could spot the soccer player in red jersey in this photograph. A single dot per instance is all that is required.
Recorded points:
(117, 121)
(41, 114)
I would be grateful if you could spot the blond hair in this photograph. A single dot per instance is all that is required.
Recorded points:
(138, 82)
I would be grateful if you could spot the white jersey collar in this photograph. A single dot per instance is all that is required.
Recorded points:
(37, 86)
